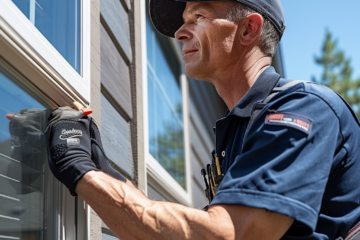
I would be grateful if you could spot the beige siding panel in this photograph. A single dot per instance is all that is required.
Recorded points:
(198, 184)
(155, 195)
(199, 199)
(115, 76)
(205, 134)
(108, 237)
(127, 4)
(202, 152)
(196, 169)
(115, 135)
(117, 20)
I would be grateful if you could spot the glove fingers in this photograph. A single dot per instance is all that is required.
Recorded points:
(65, 113)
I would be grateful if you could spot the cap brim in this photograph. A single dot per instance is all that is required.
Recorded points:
(166, 16)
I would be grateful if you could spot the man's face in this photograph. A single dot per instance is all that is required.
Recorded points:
(210, 41)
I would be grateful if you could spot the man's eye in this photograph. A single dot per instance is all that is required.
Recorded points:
(198, 16)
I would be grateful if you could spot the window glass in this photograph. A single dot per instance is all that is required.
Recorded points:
(29, 205)
(166, 133)
(60, 22)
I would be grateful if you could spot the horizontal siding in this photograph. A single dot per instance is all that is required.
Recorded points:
(196, 169)
(105, 236)
(207, 103)
(117, 20)
(202, 151)
(127, 4)
(198, 185)
(115, 134)
(200, 155)
(155, 195)
(200, 200)
(115, 77)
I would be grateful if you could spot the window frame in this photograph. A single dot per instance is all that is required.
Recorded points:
(64, 74)
(156, 175)
(19, 56)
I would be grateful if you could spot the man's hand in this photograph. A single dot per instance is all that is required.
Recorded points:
(75, 147)
(69, 146)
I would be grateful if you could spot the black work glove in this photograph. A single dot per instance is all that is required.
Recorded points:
(69, 146)
(28, 146)
(98, 154)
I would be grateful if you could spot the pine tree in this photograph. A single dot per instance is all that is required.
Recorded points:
(337, 72)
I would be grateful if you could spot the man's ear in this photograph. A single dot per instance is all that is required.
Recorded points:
(253, 24)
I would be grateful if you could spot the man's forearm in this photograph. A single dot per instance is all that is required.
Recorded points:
(130, 215)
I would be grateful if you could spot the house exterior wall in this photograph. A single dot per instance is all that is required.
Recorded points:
(120, 92)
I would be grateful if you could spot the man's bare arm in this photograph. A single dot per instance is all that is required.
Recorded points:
(130, 215)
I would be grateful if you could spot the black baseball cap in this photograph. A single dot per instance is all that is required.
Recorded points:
(166, 15)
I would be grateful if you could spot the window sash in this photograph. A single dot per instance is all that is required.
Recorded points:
(65, 75)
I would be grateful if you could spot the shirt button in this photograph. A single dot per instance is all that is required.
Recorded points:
(223, 153)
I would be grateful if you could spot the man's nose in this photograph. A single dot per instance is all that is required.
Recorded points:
(183, 33)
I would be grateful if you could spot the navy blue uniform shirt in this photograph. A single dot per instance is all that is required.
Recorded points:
(300, 158)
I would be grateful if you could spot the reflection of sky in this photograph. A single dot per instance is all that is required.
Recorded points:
(60, 22)
(161, 68)
(12, 100)
(22, 189)
(165, 108)
(164, 91)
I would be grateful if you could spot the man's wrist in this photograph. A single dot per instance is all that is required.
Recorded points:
(94, 178)
(89, 176)
(86, 179)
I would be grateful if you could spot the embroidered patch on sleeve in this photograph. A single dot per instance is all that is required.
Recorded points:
(299, 122)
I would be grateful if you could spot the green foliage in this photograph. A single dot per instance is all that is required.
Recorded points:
(337, 72)
(171, 154)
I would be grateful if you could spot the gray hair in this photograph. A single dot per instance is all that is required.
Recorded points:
(269, 37)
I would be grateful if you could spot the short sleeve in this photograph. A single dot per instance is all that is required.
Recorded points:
(285, 166)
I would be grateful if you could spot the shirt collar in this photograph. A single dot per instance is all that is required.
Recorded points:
(259, 91)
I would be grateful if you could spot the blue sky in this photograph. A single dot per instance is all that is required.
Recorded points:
(306, 21)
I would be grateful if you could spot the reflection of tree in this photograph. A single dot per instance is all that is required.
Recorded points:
(337, 72)
(170, 152)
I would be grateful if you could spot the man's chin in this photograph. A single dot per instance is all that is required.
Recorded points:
(194, 71)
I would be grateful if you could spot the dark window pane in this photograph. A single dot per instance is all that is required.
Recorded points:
(27, 204)
(60, 22)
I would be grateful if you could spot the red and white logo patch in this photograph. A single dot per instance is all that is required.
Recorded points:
(299, 122)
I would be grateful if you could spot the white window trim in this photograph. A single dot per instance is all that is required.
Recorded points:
(64, 73)
(155, 172)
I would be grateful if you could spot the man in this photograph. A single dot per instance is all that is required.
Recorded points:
(293, 176)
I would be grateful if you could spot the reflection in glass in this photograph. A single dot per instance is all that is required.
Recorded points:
(27, 207)
(60, 22)
(166, 134)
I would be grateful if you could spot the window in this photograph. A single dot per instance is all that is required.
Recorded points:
(166, 115)
(165, 107)
(44, 60)
(60, 23)
(55, 34)
(30, 197)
